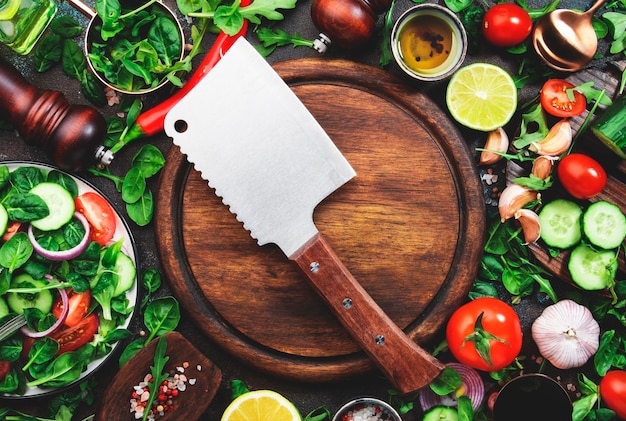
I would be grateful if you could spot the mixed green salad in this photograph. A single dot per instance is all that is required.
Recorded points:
(66, 264)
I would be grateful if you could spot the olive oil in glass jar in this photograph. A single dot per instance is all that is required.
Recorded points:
(23, 21)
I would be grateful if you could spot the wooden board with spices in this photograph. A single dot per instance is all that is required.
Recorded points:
(410, 227)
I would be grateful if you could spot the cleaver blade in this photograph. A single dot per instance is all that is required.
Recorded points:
(271, 162)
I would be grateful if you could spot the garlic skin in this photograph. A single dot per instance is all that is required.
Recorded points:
(497, 140)
(556, 142)
(566, 334)
(513, 198)
(531, 226)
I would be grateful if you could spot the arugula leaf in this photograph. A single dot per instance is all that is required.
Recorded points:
(160, 359)
(385, 45)
(278, 38)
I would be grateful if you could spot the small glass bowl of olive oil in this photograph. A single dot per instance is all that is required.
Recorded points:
(428, 42)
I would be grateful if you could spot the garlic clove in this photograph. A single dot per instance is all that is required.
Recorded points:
(566, 334)
(556, 142)
(542, 167)
(513, 198)
(497, 141)
(529, 220)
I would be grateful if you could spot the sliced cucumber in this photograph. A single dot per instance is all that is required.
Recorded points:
(126, 273)
(441, 413)
(18, 301)
(560, 223)
(4, 219)
(60, 203)
(591, 269)
(604, 225)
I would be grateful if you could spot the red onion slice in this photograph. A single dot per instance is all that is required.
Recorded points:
(63, 254)
(66, 309)
(473, 387)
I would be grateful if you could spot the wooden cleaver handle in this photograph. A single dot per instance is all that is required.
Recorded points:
(401, 360)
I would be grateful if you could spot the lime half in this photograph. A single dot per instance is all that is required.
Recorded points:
(8, 8)
(482, 96)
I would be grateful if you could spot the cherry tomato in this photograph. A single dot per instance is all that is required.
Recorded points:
(582, 176)
(613, 391)
(12, 229)
(100, 215)
(485, 334)
(556, 101)
(5, 367)
(506, 25)
(72, 338)
(78, 304)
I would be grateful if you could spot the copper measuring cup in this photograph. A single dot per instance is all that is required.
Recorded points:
(92, 34)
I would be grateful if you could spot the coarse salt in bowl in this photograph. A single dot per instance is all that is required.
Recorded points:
(366, 409)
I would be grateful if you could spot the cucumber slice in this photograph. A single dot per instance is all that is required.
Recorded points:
(592, 269)
(604, 225)
(60, 203)
(41, 300)
(560, 223)
(441, 413)
(126, 272)
(4, 219)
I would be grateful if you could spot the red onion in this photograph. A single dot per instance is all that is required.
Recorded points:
(66, 308)
(472, 387)
(63, 254)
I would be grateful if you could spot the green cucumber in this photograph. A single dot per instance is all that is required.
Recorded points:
(18, 301)
(610, 127)
(441, 413)
(60, 203)
(592, 269)
(560, 223)
(604, 225)
(4, 219)
(126, 272)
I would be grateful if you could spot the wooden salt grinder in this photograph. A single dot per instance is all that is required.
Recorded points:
(71, 135)
(346, 23)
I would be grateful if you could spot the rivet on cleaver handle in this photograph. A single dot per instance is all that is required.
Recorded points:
(262, 151)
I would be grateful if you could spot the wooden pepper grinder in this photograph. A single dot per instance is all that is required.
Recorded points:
(71, 135)
(346, 23)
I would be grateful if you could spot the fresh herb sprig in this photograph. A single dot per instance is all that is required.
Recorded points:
(158, 374)
(270, 39)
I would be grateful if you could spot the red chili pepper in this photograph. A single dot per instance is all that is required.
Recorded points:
(151, 122)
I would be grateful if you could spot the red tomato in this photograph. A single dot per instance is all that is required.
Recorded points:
(613, 391)
(582, 176)
(486, 324)
(5, 367)
(556, 101)
(100, 215)
(506, 25)
(11, 230)
(72, 338)
(78, 305)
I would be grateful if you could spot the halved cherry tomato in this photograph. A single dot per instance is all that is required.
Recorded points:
(72, 338)
(5, 367)
(556, 101)
(582, 176)
(485, 334)
(78, 304)
(506, 25)
(613, 391)
(100, 215)
(11, 230)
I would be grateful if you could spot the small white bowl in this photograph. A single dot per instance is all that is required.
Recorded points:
(429, 42)
(388, 412)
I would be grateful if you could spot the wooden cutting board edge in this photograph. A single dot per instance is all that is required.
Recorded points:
(325, 369)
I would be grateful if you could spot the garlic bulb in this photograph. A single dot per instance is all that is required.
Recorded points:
(566, 334)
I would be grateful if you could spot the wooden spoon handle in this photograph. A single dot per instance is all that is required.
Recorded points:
(402, 361)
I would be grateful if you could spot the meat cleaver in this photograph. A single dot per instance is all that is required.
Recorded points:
(271, 162)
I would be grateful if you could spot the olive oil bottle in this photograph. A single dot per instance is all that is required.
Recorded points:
(23, 21)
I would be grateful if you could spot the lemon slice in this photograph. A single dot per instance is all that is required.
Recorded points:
(8, 8)
(482, 96)
(261, 405)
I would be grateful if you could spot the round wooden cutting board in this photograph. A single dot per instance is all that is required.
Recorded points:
(410, 227)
